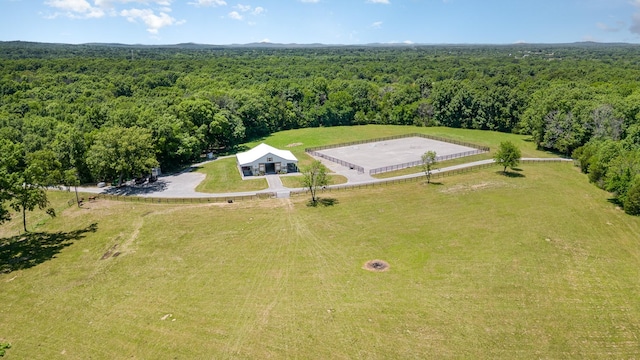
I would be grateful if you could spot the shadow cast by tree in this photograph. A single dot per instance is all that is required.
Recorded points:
(146, 188)
(323, 202)
(510, 174)
(435, 183)
(615, 201)
(30, 249)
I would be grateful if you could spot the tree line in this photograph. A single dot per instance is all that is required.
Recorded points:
(113, 112)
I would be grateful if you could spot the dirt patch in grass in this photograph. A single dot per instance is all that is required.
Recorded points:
(294, 144)
(110, 252)
(376, 265)
(475, 187)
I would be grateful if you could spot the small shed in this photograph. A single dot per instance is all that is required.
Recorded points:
(264, 159)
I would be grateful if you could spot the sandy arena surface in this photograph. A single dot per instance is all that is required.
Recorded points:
(392, 152)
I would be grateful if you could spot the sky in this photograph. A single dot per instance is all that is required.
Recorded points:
(223, 22)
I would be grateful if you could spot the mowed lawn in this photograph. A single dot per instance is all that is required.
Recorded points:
(482, 266)
(223, 175)
(299, 139)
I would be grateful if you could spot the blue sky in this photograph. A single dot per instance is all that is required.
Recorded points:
(320, 21)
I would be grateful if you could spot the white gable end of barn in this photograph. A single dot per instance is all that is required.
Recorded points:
(262, 151)
(264, 158)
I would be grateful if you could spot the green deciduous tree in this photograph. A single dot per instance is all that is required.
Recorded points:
(10, 158)
(121, 152)
(620, 172)
(226, 129)
(429, 161)
(26, 178)
(508, 155)
(43, 170)
(632, 200)
(314, 176)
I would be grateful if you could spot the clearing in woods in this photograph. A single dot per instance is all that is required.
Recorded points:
(480, 266)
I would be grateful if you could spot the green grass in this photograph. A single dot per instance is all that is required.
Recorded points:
(440, 165)
(223, 176)
(311, 137)
(296, 181)
(482, 266)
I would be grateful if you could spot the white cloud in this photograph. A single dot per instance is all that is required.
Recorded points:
(408, 42)
(243, 8)
(310, 1)
(235, 15)
(379, 1)
(153, 22)
(154, 13)
(70, 5)
(75, 9)
(208, 3)
(377, 25)
(246, 9)
(265, 40)
(113, 3)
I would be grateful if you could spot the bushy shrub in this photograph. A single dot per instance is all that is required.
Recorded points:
(632, 200)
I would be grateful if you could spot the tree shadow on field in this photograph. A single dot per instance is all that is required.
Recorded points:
(27, 250)
(436, 183)
(615, 202)
(510, 174)
(146, 188)
(323, 202)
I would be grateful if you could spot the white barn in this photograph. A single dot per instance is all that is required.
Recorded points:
(265, 159)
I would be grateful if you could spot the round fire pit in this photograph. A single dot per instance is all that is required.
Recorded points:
(376, 265)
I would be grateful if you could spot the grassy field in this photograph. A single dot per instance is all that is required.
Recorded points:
(296, 181)
(223, 175)
(299, 139)
(482, 266)
(439, 165)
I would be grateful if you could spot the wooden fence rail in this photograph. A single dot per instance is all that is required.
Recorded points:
(270, 195)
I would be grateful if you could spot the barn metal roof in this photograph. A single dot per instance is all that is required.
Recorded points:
(261, 150)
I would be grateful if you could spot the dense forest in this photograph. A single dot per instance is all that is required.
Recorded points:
(104, 112)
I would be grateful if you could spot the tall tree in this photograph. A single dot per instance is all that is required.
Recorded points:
(226, 129)
(119, 152)
(429, 160)
(29, 189)
(508, 155)
(10, 157)
(314, 176)
(632, 200)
